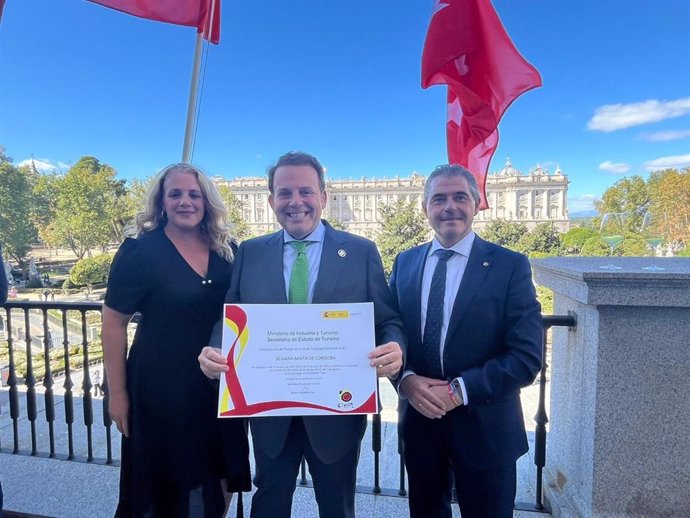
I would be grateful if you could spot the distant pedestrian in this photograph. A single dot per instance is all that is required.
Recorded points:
(97, 390)
(52, 294)
(45, 294)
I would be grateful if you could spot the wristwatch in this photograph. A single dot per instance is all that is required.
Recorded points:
(455, 384)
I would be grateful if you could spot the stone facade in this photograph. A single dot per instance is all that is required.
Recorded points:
(532, 198)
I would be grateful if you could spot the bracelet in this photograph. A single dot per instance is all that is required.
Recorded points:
(451, 393)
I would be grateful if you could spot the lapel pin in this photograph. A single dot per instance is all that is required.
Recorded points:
(342, 253)
(485, 263)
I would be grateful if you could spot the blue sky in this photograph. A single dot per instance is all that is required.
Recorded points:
(341, 80)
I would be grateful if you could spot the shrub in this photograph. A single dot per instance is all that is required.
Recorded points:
(91, 270)
(684, 253)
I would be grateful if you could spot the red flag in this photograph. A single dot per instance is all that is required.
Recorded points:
(192, 13)
(468, 49)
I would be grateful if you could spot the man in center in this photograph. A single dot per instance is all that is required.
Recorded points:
(340, 267)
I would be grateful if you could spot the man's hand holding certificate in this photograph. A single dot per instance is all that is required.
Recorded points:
(298, 359)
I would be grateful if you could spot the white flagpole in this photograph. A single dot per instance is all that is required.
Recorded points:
(191, 105)
(194, 86)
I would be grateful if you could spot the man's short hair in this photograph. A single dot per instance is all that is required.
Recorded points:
(452, 171)
(297, 158)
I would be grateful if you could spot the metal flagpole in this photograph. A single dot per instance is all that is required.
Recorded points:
(194, 86)
(191, 105)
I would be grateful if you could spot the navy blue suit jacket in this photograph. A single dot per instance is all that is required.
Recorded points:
(353, 276)
(494, 341)
(3, 281)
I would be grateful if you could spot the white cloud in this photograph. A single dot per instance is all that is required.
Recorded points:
(44, 165)
(582, 203)
(612, 167)
(665, 136)
(612, 117)
(666, 162)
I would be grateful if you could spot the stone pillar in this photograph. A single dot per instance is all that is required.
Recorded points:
(619, 438)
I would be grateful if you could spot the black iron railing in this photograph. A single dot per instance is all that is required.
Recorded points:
(35, 341)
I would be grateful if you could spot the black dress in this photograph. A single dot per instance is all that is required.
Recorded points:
(174, 456)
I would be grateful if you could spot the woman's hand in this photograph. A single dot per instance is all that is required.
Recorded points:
(119, 411)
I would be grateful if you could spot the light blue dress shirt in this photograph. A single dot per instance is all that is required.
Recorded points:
(313, 257)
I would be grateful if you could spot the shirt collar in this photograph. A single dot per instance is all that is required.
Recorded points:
(316, 235)
(462, 247)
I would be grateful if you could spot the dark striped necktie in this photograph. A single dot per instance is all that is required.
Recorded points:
(434, 316)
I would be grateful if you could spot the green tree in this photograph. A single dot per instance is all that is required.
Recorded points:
(594, 246)
(120, 211)
(504, 233)
(573, 240)
(44, 206)
(91, 270)
(86, 205)
(633, 245)
(629, 195)
(402, 226)
(129, 205)
(670, 203)
(544, 239)
(17, 232)
(685, 252)
(234, 206)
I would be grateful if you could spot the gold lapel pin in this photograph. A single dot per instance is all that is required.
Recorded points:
(342, 253)
(485, 263)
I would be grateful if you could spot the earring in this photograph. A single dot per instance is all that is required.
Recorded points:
(164, 215)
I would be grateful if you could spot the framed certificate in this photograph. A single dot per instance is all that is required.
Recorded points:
(298, 359)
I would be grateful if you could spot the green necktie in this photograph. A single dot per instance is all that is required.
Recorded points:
(299, 276)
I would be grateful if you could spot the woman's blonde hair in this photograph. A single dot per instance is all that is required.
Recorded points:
(214, 226)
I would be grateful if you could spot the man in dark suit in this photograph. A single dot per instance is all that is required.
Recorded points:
(3, 280)
(3, 299)
(474, 339)
(341, 268)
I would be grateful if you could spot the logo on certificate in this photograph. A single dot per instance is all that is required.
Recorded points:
(345, 399)
(336, 314)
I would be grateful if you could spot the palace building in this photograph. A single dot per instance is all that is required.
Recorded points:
(530, 198)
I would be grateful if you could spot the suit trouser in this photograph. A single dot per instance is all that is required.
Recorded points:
(432, 460)
(334, 484)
